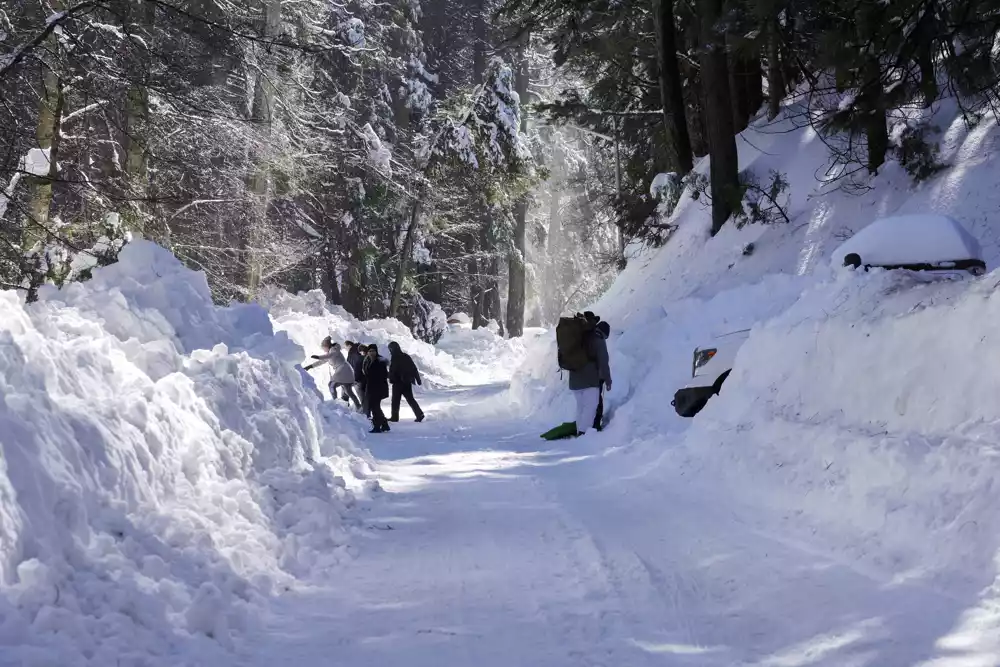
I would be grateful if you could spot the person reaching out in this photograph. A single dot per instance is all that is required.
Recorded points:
(341, 374)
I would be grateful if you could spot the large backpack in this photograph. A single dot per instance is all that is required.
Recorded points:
(571, 341)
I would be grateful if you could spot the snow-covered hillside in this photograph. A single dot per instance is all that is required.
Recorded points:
(861, 415)
(164, 467)
(697, 287)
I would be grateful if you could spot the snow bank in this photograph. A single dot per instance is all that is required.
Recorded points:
(861, 416)
(869, 408)
(164, 465)
(461, 356)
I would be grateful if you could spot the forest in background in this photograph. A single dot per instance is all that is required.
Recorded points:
(410, 159)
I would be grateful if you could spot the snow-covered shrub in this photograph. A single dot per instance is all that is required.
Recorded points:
(759, 203)
(163, 465)
(666, 189)
(913, 148)
(764, 204)
(427, 319)
(53, 261)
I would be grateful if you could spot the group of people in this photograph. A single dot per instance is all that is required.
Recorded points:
(364, 377)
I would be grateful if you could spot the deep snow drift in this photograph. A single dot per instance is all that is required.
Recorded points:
(163, 465)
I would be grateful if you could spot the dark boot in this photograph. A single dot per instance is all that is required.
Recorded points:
(419, 419)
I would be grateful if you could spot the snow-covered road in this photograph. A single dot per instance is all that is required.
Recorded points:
(494, 547)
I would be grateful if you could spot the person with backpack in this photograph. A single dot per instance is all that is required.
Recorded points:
(376, 388)
(403, 374)
(582, 349)
(341, 375)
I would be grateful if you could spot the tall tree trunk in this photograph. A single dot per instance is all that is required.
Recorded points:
(551, 294)
(745, 87)
(136, 142)
(718, 114)
(755, 84)
(874, 121)
(328, 270)
(678, 139)
(475, 286)
(354, 284)
(515, 263)
(262, 115)
(483, 283)
(775, 75)
(406, 252)
(494, 306)
(35, 225)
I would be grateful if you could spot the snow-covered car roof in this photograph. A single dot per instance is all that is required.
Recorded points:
(911, 239)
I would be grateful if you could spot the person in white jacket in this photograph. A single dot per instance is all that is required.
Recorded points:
(341, 373)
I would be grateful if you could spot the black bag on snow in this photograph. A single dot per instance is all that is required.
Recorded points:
(571, 341)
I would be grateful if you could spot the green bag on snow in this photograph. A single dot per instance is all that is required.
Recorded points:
(564, 430)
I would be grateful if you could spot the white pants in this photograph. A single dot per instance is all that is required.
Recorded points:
(586, 407)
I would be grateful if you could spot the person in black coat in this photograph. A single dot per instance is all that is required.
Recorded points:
(403, 374)
(376, 388)
(356, 360)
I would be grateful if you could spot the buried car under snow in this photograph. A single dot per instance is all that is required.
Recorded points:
(709, 369)
(925, 242)
(931, 243)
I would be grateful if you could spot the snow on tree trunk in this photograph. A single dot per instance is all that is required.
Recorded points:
(515, 261)
(137, 117)
(262, 116)
(50, 111)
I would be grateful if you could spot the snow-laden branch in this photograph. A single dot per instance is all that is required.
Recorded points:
(53, 22)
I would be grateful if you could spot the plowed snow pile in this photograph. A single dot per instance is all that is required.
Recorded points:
(870, 408)
(163, 465)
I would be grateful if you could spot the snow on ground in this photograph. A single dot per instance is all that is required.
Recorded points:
(164, 468)
(462, 356)
(493, 547)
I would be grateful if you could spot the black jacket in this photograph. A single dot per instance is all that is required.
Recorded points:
(376, 379)
(356, 360)
(402, 370)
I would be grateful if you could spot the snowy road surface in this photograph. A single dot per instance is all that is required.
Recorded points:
(494, 547)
